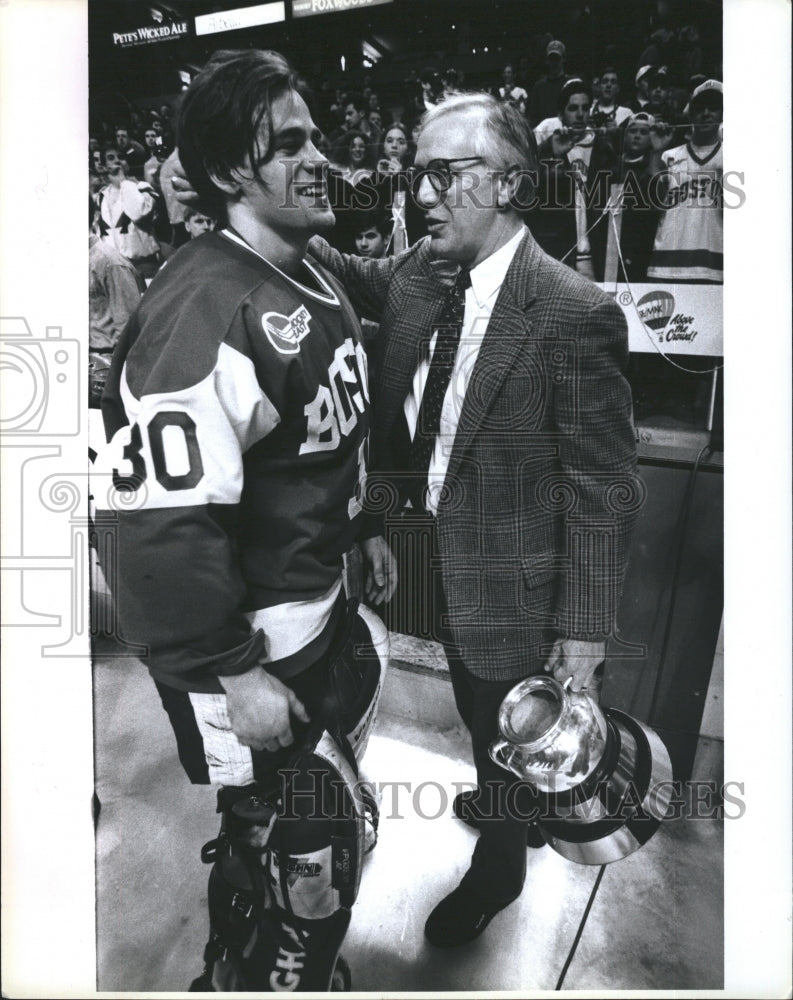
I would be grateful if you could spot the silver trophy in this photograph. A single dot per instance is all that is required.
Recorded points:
(603, 780)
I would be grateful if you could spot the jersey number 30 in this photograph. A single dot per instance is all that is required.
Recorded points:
(157, 430)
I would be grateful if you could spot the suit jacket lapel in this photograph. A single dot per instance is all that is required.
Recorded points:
(421, 302)
(507, 331)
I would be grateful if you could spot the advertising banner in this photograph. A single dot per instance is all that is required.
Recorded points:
(241, 17)
(159, 30)
(306, 8)
(673, 318)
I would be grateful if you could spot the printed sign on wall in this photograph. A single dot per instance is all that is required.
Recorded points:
(673, 318)
(145, 34)
(305, 8)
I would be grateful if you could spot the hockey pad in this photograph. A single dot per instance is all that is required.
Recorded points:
(356, 672)
(319, 837)
(238, 895)
(313, 871)
(279, 953)
(295, 955)
(357, 666)
(285, 878)
(280, 893)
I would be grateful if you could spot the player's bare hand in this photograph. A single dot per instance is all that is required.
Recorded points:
(380, 570)
(260, 709)
(576, 660)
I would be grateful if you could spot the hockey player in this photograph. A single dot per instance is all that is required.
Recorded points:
(236, 415)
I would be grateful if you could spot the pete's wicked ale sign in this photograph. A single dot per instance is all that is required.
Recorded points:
(150, 33)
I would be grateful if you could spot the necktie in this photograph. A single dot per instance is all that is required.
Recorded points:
(449, 327)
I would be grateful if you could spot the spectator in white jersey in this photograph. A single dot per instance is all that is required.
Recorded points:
(510, 91)
(126, 217)
(114, 291)
(689, 243)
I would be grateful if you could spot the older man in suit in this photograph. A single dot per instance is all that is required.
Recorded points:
(502, 410)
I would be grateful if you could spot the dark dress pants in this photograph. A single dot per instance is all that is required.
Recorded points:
(498, 866)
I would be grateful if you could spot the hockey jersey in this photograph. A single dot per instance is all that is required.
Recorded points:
(689, 242)
(236, 415)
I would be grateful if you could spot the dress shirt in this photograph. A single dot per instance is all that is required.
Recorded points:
(486, 280)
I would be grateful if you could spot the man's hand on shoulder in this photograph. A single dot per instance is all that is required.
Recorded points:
(575, 659)
(259, 707)
(182, 188)
(319, 247)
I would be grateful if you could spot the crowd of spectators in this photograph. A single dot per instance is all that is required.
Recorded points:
(135, 224)
(637, 154)
(640, 156)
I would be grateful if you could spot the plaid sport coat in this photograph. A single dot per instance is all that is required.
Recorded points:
(541, 490)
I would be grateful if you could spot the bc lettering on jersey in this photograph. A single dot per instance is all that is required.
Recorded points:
(334, 411)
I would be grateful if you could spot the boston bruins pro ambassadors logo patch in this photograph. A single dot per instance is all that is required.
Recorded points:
(286, 332)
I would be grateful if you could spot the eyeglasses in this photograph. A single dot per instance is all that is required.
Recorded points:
(438, 172)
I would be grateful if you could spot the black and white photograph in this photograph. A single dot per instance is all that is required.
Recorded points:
(396, 505)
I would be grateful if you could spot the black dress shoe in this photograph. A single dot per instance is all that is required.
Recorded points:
(464, 807)
(459, 918)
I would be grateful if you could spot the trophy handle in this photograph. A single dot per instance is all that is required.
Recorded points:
(501, 753)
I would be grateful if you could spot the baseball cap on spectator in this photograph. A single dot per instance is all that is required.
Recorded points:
(573, 86)
(555, 48)
(708, 94)
(659, 74)
(709, 85)
(643, 117)
(642, 73)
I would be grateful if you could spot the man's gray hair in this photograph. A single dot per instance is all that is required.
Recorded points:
(502, 137)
